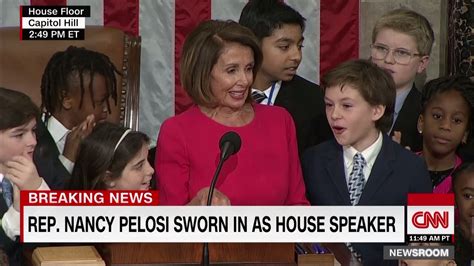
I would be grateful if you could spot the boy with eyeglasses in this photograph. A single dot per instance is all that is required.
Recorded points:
(401, 44)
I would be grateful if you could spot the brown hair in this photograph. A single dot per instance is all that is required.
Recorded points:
(408, 22)
(375, 85)
(16, 109)
(202, 49)
(97, 155)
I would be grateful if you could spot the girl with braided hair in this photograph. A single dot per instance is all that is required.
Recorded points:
(446, 123)
(75, 90)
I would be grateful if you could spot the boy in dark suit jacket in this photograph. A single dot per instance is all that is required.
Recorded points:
(401, 45)
(76, 88)
(362, 166)
(280, 31)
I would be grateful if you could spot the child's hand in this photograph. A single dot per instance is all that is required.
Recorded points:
(77, 134)
(397, 137)
(21, 171)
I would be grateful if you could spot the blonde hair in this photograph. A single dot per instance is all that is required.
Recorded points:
(408, 22)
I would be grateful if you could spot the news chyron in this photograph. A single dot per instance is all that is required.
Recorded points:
(53, 22)
(430, 218)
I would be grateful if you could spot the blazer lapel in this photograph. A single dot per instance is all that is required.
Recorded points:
(283, 95)
(46, 143)
(381, 170)
(406, 111)
(335, 170)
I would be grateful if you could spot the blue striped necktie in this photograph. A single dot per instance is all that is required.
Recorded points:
(356, 178)
(7, 191)
(258, 97)
(356, 186)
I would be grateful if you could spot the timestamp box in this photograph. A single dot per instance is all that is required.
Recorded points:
(52, 34)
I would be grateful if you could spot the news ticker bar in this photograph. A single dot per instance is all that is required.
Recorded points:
(165, 224)
(53, 22)
(418, 252)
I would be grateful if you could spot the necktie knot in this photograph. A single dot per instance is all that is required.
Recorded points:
(359, 160)
(258, 97)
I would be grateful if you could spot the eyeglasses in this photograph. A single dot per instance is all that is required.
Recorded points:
(400, 55)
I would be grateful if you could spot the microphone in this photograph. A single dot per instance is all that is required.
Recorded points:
(229, 144)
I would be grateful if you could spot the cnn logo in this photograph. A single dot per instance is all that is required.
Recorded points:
(425, 219)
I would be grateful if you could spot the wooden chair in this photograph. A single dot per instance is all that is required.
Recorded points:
(22, 64)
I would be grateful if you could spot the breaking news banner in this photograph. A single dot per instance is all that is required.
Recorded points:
(132, 216)
(53, 22)
(430, 218)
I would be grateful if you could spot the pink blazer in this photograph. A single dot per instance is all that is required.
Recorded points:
(446, 186)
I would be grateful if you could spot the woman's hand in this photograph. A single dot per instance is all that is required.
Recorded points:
(218, 198)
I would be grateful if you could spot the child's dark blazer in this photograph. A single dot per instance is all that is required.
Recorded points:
(395, 173)
(407, 121)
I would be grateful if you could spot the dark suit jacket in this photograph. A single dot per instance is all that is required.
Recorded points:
(304, 100)
(407, 121)
(46, 158)
(395, 173)
(467, 152)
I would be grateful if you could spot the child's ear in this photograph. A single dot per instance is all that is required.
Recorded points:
(67, 100)
(420, 124)
(109, 182)
(464, 138)
(378, 111)
(424, 61)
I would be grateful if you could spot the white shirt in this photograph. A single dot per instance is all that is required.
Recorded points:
(59, 133)
(369, 154)
(11, 219)
(267, 93)
(399, 101)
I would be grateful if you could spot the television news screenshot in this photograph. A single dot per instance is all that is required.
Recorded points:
(236, 132)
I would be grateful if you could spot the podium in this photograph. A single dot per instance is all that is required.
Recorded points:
(190, 253)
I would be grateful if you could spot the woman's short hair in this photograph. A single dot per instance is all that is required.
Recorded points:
(202, 49)
(97, 155)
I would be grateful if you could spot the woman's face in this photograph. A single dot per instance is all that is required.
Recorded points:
(137, 173)
(232, 76)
